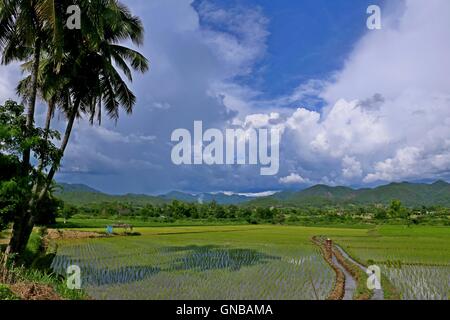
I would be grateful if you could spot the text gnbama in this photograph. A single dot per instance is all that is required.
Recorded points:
(236, 146)
(238, 309)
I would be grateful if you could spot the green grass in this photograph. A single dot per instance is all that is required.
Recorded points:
(400, 244)
(99, 224)
(37, 270)
(80, 223)
(33, 249)
(56, 282)
(6, 293)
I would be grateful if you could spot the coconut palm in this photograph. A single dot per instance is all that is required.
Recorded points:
(91, 79)
(24, 31)
(21, 38)
(85, 79)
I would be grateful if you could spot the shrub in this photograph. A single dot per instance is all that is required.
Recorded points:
(6, 293)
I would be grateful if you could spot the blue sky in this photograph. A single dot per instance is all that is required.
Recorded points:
(308, 39)
(356, 107)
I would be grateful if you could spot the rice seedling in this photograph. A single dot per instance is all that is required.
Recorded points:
(124, 268)
(198, 273)
(253, 262)
(419, 282)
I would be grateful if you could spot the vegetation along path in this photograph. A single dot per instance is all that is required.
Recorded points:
(378, 294)
(350, 275)
(350, 281)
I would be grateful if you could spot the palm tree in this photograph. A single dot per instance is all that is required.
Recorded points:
(22, 35)
(84, 80)
(21, 38)
(93, 79)
(26, 27)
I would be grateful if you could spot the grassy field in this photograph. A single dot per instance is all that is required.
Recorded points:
(252, 262)
(394, 244)
(100, 224)
(97, 223)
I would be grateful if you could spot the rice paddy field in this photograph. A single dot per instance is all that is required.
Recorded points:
(416, 259)
(252, 262)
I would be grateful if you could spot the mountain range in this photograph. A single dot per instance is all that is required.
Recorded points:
(82, 194)
(219, 197)
(410, 194)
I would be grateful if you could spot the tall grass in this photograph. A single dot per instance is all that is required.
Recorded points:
(34, 268)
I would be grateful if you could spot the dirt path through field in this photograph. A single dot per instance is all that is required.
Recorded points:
(378, 294)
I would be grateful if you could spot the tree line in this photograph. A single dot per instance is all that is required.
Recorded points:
(178, 210)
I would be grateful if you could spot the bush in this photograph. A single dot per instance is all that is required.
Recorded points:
(6, 293)
(34, 248)
(252, 220)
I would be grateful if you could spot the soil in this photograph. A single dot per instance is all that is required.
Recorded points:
(32, 291)
(55, 234)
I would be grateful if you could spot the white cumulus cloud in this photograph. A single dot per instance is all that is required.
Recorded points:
(293, 178)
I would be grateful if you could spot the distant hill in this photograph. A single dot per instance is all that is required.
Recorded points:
(410, 194)
(220, 197)
(67, 187)
(79, 194)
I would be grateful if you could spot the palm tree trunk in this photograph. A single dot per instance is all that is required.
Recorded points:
(14, 243)
(30, 217)
(48, 120)
(23, 225)
(20, 219)
(62, 149)
(32, 102)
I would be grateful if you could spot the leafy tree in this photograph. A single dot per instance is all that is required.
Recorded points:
(220, 212)
(279, 218)
(396, 210)
(380, 214)
(21, 36)
(68, 211)
(265, 214)
(16, 188)
(47, 210)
